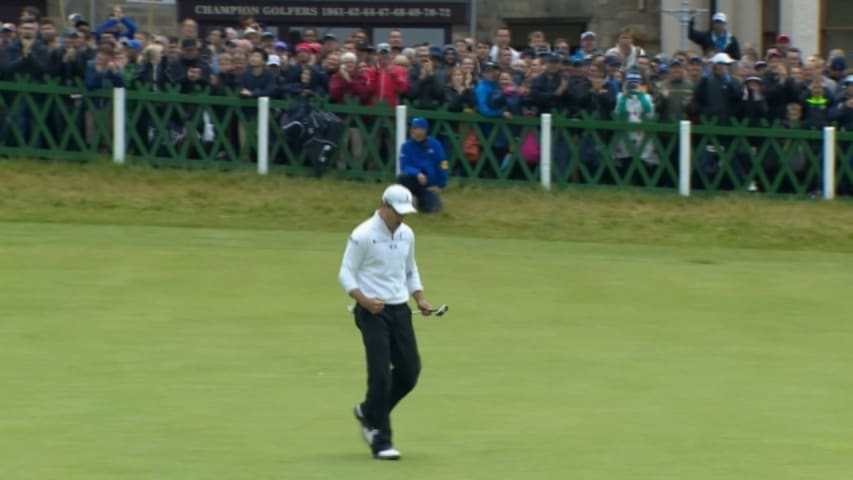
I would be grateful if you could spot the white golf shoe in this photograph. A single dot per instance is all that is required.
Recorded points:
(387, 454)
(367, 433)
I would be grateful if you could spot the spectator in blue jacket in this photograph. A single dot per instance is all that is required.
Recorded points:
(118, 26)
(423, 167)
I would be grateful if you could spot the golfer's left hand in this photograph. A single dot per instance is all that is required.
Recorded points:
(425, 308)
(433, 189)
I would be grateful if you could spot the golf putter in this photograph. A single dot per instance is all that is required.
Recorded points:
(438, 312)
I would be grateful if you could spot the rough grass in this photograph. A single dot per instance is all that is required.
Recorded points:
(106, 194)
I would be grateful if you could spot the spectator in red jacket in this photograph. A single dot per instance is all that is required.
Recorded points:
(386, 81)
(350, 82)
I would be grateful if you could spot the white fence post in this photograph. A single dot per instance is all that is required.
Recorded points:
(828, 163)
(119, 125)
(685, 150)
(263, 135)
(545, 144)
(400, 133)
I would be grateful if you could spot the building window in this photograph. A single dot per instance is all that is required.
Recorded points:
(837, 25)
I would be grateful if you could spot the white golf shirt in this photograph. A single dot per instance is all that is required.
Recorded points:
(380, 263)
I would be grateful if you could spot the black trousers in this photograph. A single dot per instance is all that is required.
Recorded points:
(428, 202)
(393, 365)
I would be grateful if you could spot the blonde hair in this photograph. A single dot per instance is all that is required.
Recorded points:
(149, 51)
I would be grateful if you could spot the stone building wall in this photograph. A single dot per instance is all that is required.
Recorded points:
(604, 17)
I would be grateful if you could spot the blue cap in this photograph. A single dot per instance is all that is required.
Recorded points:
(133, 44)
(838, 63)
(634, 77)
(279, 45)
(420, 122)
(435, 51)
(612, 60)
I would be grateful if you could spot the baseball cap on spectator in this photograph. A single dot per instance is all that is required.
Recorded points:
(848, 80)
(634, 77)
(74, 17)
(267, 35)
(720, 17)
(586, 35)
(279, 45)
(435, 51)
(188, 44)
(676, 62)
(695, 60)
(70, 32)
(363, 47)
(722, 58)
(383, 48)
(542, 51)
(274, 61)
(329, 36)
(348, 57)
(838, 64)
(490, 66)
(612, 61)
(448, 48)
(528, 52)
(420, 122)
(760, 64)
(81, 23)
(773, 53)
(753, 78)
(9, 27)
(304, 47)
(316, 47)
(132, 44)
(783, 38)
(249, 31)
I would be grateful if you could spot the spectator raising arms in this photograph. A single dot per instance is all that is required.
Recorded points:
(386, 81)
(718, 39)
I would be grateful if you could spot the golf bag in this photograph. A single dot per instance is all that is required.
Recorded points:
(313, 131)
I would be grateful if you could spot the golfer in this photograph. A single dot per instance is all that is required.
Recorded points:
(423, 166)
(380, 273)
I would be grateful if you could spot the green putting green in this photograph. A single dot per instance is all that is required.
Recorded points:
(140, 352)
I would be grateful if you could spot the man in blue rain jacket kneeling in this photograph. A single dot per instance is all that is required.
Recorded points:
(423, 167)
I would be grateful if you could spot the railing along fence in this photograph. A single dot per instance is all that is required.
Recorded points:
(200, 130)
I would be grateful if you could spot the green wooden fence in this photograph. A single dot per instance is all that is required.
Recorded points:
(169, 129)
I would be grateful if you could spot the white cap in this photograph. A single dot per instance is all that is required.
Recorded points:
(399, 198)
(348, 57)
(274, 60)
(719, 17)
(723, 58)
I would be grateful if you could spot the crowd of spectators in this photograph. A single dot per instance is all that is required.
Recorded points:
(721, 81)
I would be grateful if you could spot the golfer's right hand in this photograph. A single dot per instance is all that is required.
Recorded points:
(422, 179)
(373, 305)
